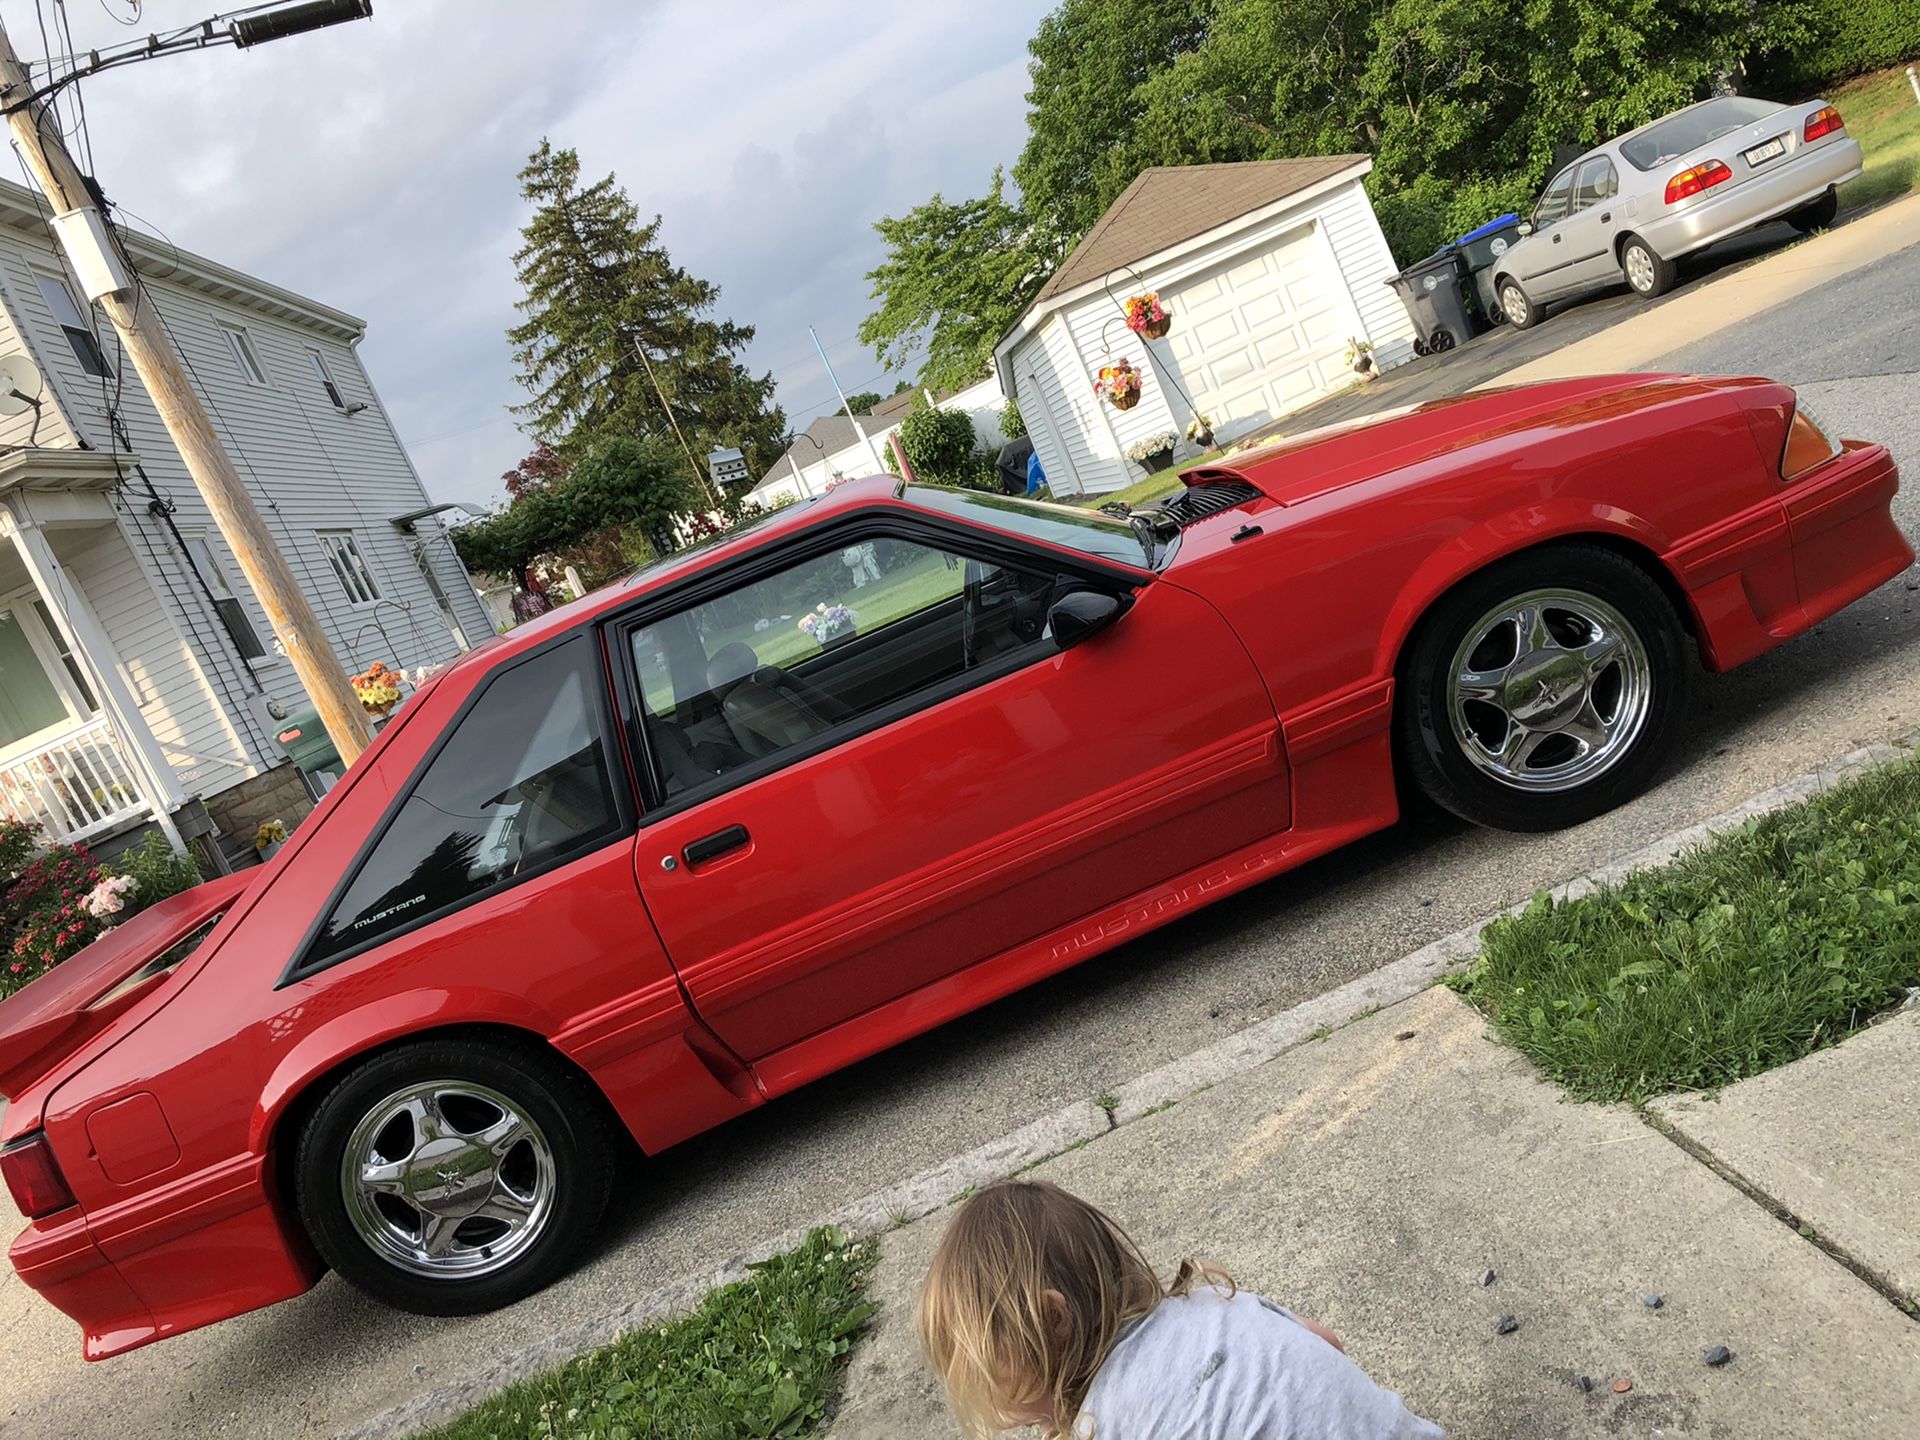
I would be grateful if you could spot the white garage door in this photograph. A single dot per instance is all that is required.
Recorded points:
(1262, 334)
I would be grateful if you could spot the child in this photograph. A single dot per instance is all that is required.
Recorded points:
(1039, 1310)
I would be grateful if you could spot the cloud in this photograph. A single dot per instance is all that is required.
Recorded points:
(373, 166)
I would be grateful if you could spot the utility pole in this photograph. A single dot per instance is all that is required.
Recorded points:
(147, 344)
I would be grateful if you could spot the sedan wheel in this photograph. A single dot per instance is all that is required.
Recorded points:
(1646, 272)
(1519, 309)
(453, 1176)
(1544, 690)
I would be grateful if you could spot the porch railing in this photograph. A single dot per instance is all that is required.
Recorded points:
(76, 786)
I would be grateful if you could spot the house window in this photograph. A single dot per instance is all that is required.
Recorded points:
(65, 652)
(325, 377)
(232, 614)
(349, 568)
(73, 324)
(241, 344)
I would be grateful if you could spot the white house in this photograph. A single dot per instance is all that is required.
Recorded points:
(1267, 268)
(139, 682)
(831, 448)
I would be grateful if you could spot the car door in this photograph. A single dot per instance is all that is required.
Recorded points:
(1540, 260)
(870, 764)
(1589, 228)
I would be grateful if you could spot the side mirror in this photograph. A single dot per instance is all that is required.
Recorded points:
(1081, 613)
(1526, 227)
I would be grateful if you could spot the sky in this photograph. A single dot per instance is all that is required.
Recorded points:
(372, 166)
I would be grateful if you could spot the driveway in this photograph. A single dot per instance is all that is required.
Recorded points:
(330, 1359)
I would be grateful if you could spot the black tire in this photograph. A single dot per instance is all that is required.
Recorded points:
(1496, 316)
(1440, 341)
(1517, 306)
(1420, 348)
(1647, 273)
(1817, 216)
(569, 1122)
(1437, 758)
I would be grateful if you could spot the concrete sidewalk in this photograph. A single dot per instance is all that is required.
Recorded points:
(1370, 1177)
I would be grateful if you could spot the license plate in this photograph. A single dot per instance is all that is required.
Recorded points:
(1760, 154)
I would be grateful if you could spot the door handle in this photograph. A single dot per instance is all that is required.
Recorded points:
(718, 843)
(1556, 238)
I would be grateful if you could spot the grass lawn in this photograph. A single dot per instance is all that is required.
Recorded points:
(1882, 114)
(759, 1358)
(1765, 944)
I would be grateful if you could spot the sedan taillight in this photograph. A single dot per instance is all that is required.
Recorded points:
(34, 1176)
(1696, 178)
(1823, 122)
(1808, 444)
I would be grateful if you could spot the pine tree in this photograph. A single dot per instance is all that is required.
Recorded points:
(596, 283)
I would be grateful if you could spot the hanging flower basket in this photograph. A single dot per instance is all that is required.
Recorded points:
(378, 688)
(1119, 385)
(1145, 316)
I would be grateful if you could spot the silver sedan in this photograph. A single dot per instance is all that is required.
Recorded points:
(1634, 206)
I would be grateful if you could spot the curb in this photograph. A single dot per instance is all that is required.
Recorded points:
(1083, 1121)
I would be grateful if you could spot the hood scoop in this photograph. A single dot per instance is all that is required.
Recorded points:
(1197, 502)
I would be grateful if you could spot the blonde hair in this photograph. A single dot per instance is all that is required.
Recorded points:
(983, 1316)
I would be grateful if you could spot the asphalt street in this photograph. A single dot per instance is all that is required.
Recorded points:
(331, 1359)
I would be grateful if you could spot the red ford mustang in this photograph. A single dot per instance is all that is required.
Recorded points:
(776, 803)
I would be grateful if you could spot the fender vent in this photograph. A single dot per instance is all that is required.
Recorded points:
(1197, 502)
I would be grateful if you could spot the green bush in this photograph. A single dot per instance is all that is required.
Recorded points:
(43, 917)
(1011, 425)
(160, 870)
(1848, 40)
(940, 446)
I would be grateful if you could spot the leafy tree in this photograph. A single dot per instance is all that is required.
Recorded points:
(1011, 425)
(609, 511)
(598, 287)
(863, 403)
(1089, 56)
(957, 274)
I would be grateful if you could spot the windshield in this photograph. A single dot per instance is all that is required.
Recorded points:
(1088, 531)
(1690, 129)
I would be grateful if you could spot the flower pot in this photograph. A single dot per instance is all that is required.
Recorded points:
(833, 642)
(1204, 439)
(1125, 402)
(1154, 329)
(1363, 365)
(1156, 462)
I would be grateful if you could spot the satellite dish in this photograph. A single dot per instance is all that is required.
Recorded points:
(20, 385)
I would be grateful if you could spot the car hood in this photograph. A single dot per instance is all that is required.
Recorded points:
(52, 1017)
(1304, 467)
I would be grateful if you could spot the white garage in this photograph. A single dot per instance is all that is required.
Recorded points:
(1266, 269)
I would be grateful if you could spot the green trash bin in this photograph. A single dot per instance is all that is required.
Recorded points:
(310, 748)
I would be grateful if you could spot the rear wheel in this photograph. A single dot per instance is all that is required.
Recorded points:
(1646, 272)
(1817, 216)
(1440, 341)
(452, 1176)
(1545, 690)
(1520, 311)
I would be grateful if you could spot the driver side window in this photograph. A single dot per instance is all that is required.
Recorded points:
(769, 668)
(1553, 204)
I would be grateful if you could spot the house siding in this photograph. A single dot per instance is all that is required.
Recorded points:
(309, 467)
(1366, 264)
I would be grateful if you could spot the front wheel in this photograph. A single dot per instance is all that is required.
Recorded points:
(1646, 272)
(1545, 690)
(1521, 312)
(452, 1176)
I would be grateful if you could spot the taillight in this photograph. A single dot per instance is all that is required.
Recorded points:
(1696, 178)
(34, 1177)
(1823, 122)
(1807, 444)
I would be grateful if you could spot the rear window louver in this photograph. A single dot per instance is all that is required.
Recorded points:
(1197, 502)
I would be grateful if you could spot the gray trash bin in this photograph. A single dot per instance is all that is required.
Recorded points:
(1436, 303)
(1481, 248)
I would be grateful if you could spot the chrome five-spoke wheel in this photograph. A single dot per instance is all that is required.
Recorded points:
(448, 1178)
(1550, 689)
(455, 1174)
(1545, 689)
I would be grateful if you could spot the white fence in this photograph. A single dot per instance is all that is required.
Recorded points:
(76, 786)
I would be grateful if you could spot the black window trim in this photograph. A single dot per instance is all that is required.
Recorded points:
(920, 527)
(301, 968)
